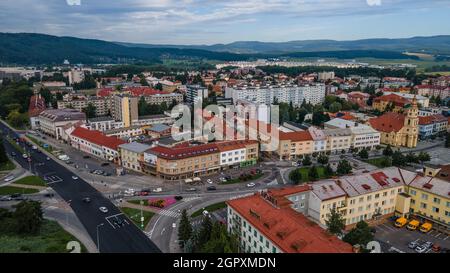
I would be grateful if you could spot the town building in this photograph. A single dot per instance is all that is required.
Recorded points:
(265, 222)
(35, 108)
(431, 126)
(297, 94)
(363, 136)
(293, 145)
(131, 155)
(95, 143)
(398, 129)
(391, 102)
(194, 92)
(338, 140)
(125, 109)
(53, 121)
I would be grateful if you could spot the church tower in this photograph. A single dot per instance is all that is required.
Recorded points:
(411, 126)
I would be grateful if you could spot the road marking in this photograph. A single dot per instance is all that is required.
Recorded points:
(115, 215)
(162, 231)
(445, 238)
(437, 235)
(169, 213)
(389, 227)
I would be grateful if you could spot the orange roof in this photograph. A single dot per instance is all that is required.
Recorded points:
(389, 122)
(97, 137)
(288, 229)
(431, 119)
(234, 145)
(396, 99)
(296, 136)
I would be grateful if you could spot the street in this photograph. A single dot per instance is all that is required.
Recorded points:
(126, 239)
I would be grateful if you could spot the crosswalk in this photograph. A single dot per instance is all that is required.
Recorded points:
(190, 198)
(169, 213)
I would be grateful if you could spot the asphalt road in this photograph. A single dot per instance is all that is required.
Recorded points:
(113, 238)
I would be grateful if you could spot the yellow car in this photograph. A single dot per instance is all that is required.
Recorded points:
(400, 222)
(426, 227)
(413, 225)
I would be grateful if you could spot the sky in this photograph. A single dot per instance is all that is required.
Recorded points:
(225, 21)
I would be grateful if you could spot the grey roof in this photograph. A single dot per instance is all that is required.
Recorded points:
(327, 189)
(135, 147)
(153, 116)
(98, 119)
(159, 128)
(63, 115)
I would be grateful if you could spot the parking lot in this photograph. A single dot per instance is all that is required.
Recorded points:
(400, 237)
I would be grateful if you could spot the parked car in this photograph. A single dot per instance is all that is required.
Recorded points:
(74, 177)
(87, 200)
(191, 189)
(25, 156)
(47, 158)
(211, 188)
(413, 244)
(86, 157)
(49, 195)
(157, 190)
(436, 248)
(251, 185)
(105, 164)
(9, 178)
(103, 209)
(209, 181)
(13, 154)
(421, 249)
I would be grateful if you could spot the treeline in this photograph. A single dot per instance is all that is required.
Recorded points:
(340, 72)
(438, 68)
(14, 102)
(352, 54)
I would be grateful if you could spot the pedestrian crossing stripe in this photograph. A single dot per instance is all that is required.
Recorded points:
(169, 213)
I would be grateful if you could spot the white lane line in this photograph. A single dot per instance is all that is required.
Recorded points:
(445, 238)
(389, 227)
(437, 235)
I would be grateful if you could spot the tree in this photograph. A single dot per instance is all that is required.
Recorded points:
(29, 217)
(319, 118)
(335, 222)
(328, 170)
(296, 176)
(388, 150)
(313, 174)
(322, 159)
(220, 241)
(16, 119)
(447, 140)
(184, 229)
(335, 107)
(360, 235)
(158, 86)
(344, 167)
(411, 158)
(398, 159)
(364, 154)
(204, 233)
(307, 160)
(3, 156)
(424, 156)
(386, 162)
(90, 111)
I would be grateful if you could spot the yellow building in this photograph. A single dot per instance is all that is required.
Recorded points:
(390, 102)
(399, 129)
(131, 154)
(430, 201)
(295, 144)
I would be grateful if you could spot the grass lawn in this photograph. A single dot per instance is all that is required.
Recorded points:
(239, 180)
(378, 162)
(52, 238)
(138, 202)
(210, 208)
(18, 147)
(135, 215)
(305, 171)
(40, 143)
(7, 190)
(31, 180)
(8, 166)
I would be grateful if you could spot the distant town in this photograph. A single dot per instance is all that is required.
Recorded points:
(361, 156)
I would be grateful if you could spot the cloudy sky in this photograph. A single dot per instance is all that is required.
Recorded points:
(224, 21)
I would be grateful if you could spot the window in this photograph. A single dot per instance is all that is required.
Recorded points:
(424, 196)
(436, 200)
(434, 209)
(423, 205)
(412, 192)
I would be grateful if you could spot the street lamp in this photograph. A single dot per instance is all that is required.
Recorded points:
(67, 214)
(142, 215)
(98, 238)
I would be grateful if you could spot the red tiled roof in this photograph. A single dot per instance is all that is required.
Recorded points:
(104, 92)
(396, 99)
(389, 122)
(97, 137)
(37, 105)
(431, 119)
(296, 136)
(288, 229)
(143, 91)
